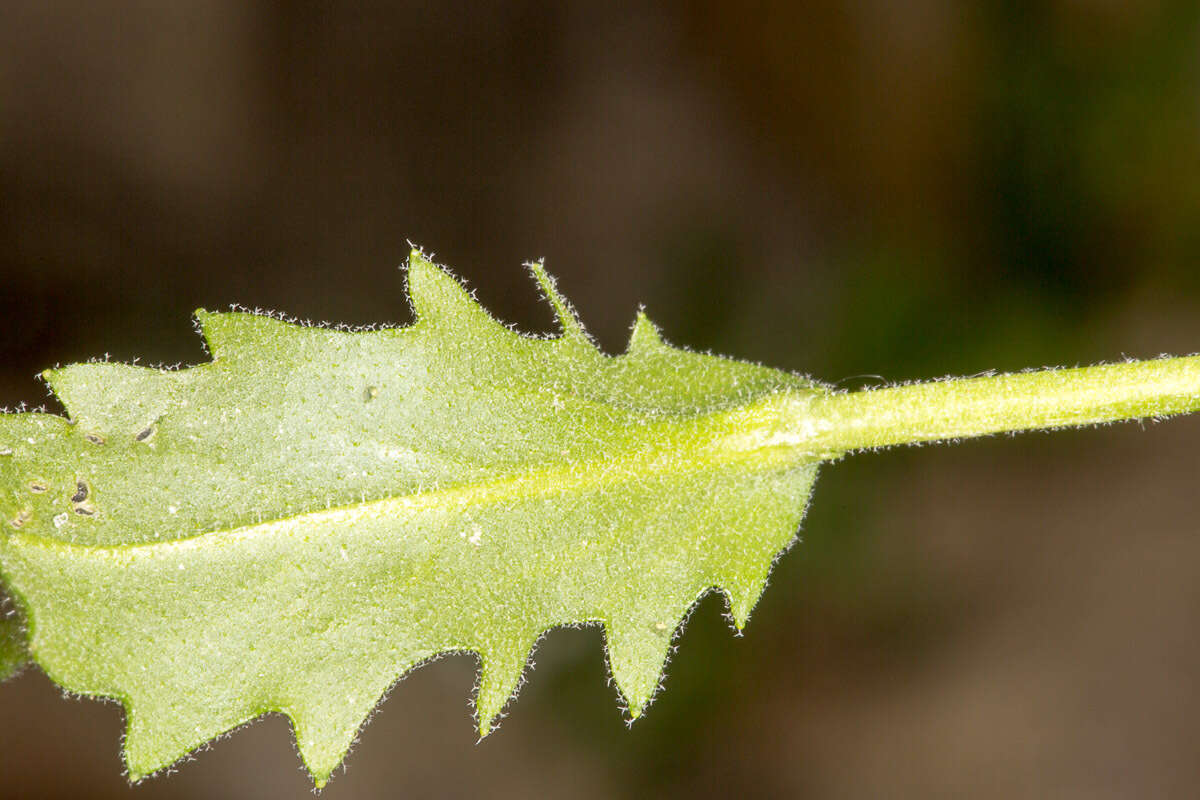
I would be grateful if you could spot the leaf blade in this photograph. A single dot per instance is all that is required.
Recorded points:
(315, 512)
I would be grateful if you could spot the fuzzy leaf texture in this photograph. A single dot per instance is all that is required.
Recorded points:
(296, 524)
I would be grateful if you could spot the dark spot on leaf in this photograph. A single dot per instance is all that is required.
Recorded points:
(94, 438)
(86, 511)
(145, 433)
(81, 492)
(21, 518)
(37, 487)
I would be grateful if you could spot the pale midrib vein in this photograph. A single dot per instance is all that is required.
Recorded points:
(697, 457)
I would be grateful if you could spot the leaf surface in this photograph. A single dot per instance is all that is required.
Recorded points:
(296, 524)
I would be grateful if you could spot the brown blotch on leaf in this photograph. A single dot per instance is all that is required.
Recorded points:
(144, 433)
(21, 518)
(86, 511)
(37, 487)
(94, 438)
(81, 492)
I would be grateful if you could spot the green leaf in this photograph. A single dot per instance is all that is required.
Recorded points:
(298, 523)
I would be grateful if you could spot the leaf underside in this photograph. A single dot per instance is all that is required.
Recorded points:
(294, 525)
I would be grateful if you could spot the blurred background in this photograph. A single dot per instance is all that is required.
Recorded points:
(859, 190)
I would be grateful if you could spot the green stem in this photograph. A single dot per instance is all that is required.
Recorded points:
(965, 407)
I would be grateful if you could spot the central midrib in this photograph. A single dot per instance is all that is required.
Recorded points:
(683, 460)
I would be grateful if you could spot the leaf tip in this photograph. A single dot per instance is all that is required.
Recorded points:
(500, 677)
(645, 334)
(220, 331)
(416, 256)
(564, 312)
(487, 715)
(742, 597)
(203, 317)
(436, 295)
(140, 763)
(51, 377)
(636, 657)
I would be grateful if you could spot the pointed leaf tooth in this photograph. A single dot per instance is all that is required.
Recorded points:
(637, 653)
(149, 745)
(645, 334)
(742, 599)
(327, 728)
(438, 298)
(499, 678)
(233, 334)
(105, 399)
(564, 312)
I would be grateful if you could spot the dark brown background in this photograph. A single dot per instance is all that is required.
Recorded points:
(856, 188)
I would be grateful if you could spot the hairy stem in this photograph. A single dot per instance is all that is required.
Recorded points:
(966, 407)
